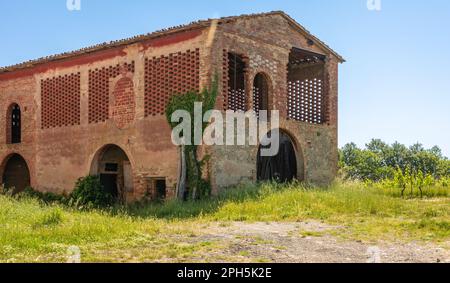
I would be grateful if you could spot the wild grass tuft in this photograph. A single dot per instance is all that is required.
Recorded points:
(31, 231)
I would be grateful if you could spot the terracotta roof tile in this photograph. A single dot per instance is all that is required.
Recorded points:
(156, 34)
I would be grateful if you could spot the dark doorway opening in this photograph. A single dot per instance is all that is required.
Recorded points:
(114, 168)
(109, 183)
(16, 175)
(160, 188)
(281, 167)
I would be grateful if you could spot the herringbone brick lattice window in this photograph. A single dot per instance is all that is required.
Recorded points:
(60, 101)
(165, 76)
(305, 101)
(99, 90)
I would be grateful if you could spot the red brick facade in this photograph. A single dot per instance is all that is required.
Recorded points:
(165, 76)
(99, 85)
(75, 105)
(123, 103)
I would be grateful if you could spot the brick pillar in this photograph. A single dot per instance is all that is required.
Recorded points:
(84, 99)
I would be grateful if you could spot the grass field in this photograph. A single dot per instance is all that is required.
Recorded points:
(33, 232)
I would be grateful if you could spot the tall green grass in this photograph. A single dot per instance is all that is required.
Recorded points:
(33, 231)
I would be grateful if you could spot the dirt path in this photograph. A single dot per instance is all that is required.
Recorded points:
(305, 243)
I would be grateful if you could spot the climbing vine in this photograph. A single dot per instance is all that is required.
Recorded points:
(198, 187)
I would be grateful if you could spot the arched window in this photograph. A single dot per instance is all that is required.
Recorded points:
(14, 125)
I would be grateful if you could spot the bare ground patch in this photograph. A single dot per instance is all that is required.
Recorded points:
(307, 242)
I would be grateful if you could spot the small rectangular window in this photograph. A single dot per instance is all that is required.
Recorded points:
(111, 167)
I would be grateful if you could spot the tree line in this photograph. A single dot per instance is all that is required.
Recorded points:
(380, 161)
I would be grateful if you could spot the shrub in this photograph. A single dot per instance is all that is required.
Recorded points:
(46, 198)
(5, 191)
(51, 218)
(198, 186)
(89, 193)
(444, 182)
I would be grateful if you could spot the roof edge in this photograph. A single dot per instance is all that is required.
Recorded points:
(312, 36)
(157, 34)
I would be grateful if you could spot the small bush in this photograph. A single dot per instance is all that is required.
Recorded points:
(47, 198)
(52, 218)
(5, 191)
(89, 193)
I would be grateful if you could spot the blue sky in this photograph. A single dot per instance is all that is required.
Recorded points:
(394, 86)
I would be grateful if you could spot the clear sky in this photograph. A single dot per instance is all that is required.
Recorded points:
(394, 86)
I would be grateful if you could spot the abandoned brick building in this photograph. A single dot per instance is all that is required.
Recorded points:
(100, 110)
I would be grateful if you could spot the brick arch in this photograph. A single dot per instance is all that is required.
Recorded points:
(15, 172)
(97, 154)
(299, 153)
(112, 163)
(123, 102)
(262, 91)
(10, 136)
(100, 81)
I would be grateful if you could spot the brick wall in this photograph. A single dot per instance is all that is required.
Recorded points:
(267, 43)
(99, 86)
(74, 107)
(123, 104)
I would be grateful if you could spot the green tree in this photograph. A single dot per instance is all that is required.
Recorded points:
(380, 160)
(198, 187)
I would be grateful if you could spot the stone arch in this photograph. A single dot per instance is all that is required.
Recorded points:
(287, 165)
(13, 124)
(113, 165)
(15, 173)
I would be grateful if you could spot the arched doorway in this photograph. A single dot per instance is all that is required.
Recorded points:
(281, 167)
(113, 167)
(260, 93)
(14, 124)
(16, 174)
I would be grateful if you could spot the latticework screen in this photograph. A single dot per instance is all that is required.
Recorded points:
(256, 100)
(165, 76)
(99, 90)
(306, 101)
(234, 82)
(60, 101)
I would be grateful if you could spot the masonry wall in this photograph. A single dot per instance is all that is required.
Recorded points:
(71, 109)
(266, 43)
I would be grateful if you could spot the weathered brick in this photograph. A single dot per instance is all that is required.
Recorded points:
(75, 105)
